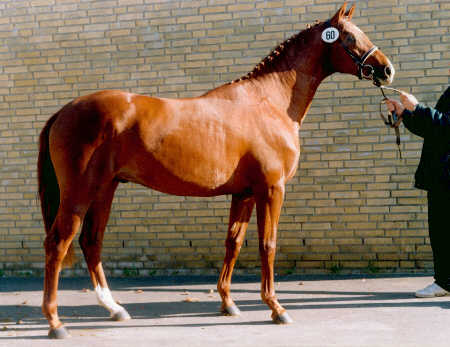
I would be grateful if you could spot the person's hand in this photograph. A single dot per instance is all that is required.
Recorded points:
(409, 101)
(394, 106)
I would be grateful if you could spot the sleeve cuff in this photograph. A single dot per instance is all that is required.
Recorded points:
(407, 113)
(419, 108)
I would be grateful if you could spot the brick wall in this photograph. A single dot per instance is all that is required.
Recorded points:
(351, 206)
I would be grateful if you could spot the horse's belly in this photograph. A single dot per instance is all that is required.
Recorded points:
(184, 178)
(195, 166)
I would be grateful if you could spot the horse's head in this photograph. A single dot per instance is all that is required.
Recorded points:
(352, 52)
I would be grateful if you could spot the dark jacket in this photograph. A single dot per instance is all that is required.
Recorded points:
(433, 125)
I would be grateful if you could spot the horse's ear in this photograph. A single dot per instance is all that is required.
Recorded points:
(349, 13)
(339, 14)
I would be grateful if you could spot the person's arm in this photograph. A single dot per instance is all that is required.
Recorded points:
(405, 110)
(418, 118)
(427, 120)
(412, 123)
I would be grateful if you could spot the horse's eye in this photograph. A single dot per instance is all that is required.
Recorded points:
(350, 40)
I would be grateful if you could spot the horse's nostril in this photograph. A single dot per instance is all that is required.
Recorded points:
(387, 71)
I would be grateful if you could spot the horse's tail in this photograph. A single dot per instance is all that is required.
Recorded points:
(48, 186)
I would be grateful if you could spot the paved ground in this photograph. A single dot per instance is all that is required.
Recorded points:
(328, 311)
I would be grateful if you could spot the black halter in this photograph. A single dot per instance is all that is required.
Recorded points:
(364, 70)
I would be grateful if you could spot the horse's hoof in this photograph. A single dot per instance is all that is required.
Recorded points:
(120, 316)
(59, 333)
(232, 310)
(283, 318)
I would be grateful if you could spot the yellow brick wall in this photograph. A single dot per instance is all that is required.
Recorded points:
(351, 206)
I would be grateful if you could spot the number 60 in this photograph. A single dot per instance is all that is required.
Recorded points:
(330, 35)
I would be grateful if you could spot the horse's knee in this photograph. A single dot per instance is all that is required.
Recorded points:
(233, 244)
(267, 248)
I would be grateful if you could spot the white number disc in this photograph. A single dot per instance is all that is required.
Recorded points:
(329, 35)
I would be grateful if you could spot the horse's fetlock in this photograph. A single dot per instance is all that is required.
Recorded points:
(268, 298)
(49, 309)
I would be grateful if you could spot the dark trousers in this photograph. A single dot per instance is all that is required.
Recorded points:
(439, 229)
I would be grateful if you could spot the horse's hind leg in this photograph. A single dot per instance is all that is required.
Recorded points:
(240, 212)
(91, 240)
(57, 242)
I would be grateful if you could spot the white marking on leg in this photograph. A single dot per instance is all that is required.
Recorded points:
(106, 300)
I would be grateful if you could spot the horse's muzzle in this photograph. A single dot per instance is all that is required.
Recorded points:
(384, 75)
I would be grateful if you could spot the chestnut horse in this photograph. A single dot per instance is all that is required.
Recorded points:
(240, 138)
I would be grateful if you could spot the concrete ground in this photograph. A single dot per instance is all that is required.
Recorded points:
(327, 311)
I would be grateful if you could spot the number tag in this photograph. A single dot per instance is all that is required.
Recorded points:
(329, 35)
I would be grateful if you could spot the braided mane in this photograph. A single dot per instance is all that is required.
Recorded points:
(278, 54)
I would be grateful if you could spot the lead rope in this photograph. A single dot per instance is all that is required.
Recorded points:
(393, 120)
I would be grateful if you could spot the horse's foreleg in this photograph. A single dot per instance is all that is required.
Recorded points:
(56, 244)
(268, 206)
(91, 240)
(240, 212)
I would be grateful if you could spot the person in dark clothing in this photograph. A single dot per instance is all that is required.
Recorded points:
(432, 175)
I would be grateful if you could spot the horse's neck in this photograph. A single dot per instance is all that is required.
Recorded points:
(292, 91)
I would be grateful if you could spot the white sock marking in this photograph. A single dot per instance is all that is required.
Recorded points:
(105, 299)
